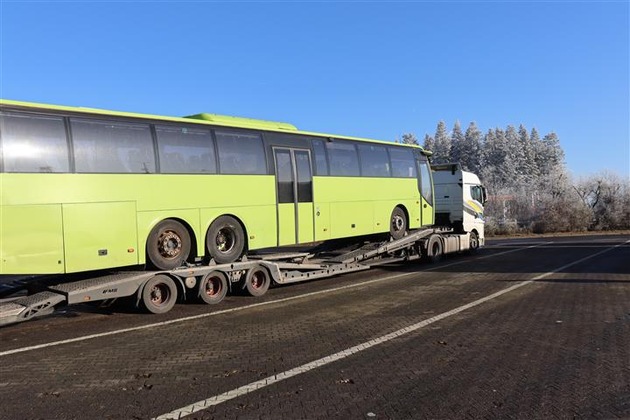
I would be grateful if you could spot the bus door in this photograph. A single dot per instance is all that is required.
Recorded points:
(294, 195)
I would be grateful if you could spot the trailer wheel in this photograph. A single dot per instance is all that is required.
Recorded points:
(435, 250)
(398, 223)
(168, 245)
(257, 281)
(474, 241)
(159, 294)
(213, 287)
(225, 239)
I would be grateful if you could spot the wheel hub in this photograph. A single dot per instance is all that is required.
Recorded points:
(156, 295)
(257, 281)
(169, 244)
(225, 240)
(398, 223)
(213, 286)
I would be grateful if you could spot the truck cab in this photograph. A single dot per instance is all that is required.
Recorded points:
(459, 200)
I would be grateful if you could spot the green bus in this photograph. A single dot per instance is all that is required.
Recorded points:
(86, 189)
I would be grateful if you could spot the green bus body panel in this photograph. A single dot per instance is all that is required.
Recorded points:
(427, 213)
(243, 122)
(31, 239)
(32, 231)
(286, 224)
(100, 235)
(305, 221)
(350, 206)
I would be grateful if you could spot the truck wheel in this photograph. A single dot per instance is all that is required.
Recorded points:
(474, 241)
(435, 250)
(168, 245)
(159, 294)
(225, 239)
(213, 287)
(257, 281)
(398, 223)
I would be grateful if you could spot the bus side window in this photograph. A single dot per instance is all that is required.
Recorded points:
(374, 161)
(343, 159)
(112, 147)
(425, 181)
(185, 150)
(403, 162)
(241, 153)
(321, 164)
(33, 143)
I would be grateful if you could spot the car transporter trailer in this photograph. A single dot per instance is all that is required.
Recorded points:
(158, 291)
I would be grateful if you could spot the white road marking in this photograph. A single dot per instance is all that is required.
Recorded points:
(242, 308)
(253, 386)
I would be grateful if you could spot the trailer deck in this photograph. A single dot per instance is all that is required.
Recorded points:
(157, 291)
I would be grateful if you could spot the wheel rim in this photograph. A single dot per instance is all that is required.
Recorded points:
(225, 240)
(160, 294)
(213, 287)
(169, 244)
(398, 223)
(258, 280)
(436, 249)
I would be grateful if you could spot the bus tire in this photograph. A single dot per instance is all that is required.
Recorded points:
(435, 249)
(159, 294)
(257, 281)
(474, 241)
(213, 287)
(225, 240)
(398, 223)
(168, 245)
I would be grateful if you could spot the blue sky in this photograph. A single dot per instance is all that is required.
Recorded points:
(369, 69)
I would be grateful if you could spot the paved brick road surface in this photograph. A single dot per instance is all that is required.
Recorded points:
(558, 347)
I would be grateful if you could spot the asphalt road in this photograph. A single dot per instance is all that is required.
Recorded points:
(529, 328)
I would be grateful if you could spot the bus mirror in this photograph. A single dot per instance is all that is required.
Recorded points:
(484, 195)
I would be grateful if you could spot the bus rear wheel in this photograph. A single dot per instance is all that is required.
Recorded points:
(398, 223)
(168, 245)
(225, 240)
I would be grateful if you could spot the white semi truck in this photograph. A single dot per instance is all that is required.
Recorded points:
(459, 201)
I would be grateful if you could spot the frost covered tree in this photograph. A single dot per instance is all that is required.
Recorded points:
(442, 145)
(409, 138)
(529, 170)
(607, 195)
(471, 150)
(530, 187)
(498, 163)
(457, 144)
(429, 143)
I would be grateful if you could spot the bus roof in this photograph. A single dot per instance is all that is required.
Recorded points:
(202, 118)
